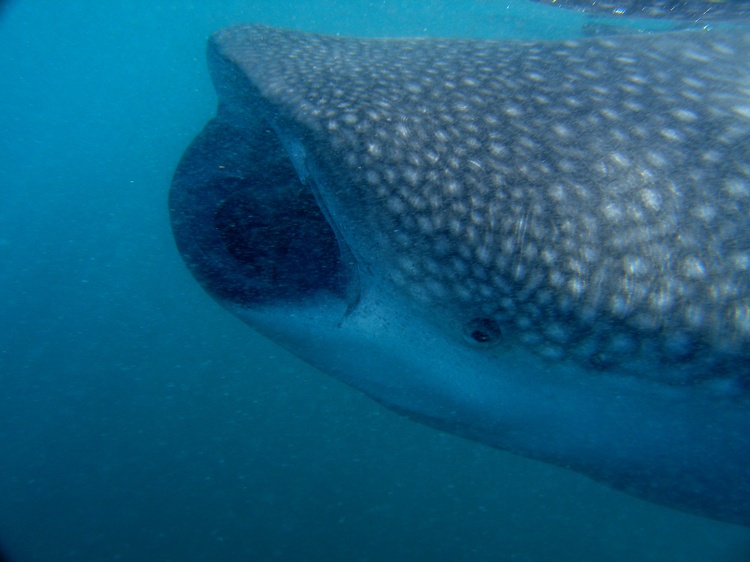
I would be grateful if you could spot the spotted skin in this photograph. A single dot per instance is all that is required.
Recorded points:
(592, 196)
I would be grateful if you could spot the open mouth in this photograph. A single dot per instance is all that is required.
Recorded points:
(249, 230)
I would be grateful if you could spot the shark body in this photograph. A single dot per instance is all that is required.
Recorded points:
(541, 246)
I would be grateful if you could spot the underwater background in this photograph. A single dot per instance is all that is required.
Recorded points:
(139, 421)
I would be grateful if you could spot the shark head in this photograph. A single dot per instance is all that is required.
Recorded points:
(541, 246)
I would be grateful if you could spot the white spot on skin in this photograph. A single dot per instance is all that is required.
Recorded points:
(661, 300)
(632, 105)
(561, 130)
(610, 114)
(453, 188)
(349, 118)
(741, 261)
(637, 79)
(694, 268)
(613, 212)
(737, 188)
(651, 199)
(685, 115)
(411, 175)
(697, 56)
(706, 213)
(498, 149)
(741, 318)
(513, 111)
(636, 266)
(620, 159)
(672, 135)
(413, 88)
(656, 159)
(575, 287)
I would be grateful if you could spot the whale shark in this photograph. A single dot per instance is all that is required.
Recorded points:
(542, 246)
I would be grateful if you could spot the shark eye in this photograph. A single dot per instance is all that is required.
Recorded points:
(482, 332)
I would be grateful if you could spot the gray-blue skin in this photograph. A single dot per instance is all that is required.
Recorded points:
(541, 246)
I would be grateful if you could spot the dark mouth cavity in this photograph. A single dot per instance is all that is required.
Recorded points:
(287, 247)
(249, 230)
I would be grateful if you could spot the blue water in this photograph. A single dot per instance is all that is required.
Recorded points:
(139, 422)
